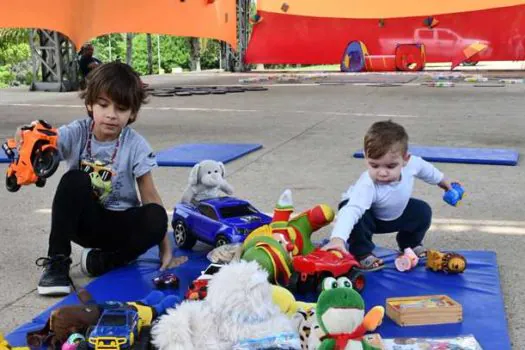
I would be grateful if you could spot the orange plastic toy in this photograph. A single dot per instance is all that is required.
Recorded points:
(34, 159)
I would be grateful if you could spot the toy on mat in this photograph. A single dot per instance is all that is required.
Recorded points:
(274, 245)
(34, 159)
(310, 270)
(166, 280)
(205, 181)
(454, 195)
(83, 318)
(446, 262)
(341, 316)
(4, 345)
(406, 261)
(238, 306)
(73, 341)
(198, 289)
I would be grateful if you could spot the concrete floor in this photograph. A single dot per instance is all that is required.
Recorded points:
(309, 133)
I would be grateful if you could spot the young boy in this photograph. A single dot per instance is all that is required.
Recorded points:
(380, 201)
(96, 203)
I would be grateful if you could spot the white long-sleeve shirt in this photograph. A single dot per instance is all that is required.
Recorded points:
(387, 201)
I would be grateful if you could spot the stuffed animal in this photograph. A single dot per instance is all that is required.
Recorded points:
(287, 303)
(238, 306)
(274, 245)
(341, 316)
(205, 181)
(452, 263)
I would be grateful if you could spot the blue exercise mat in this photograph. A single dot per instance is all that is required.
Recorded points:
(477, 290)
(492, 156)
(3, 157)
(188, 155)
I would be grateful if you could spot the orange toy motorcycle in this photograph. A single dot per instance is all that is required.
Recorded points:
(34, 159)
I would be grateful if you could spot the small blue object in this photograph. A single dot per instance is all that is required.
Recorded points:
(492, 156)
(187, 155)
(216, 221)
(478, 290)
(454, 195)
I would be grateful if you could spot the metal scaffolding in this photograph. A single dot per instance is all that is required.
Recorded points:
(54, 60)
(234, 60)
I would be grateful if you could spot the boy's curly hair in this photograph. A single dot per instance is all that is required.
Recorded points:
(382, 137)
(120, 83)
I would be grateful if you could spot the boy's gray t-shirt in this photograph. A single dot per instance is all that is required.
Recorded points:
(133, 159)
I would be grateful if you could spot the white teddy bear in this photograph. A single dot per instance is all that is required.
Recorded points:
(238, 306)
(205, 181)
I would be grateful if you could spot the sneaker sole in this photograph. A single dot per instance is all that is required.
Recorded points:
(54, 291)
(83, 262)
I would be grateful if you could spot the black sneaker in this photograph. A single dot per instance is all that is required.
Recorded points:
(95, 262)
(55, 279)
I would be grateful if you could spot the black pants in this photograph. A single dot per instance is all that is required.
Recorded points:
(411, 227)
(78, 217)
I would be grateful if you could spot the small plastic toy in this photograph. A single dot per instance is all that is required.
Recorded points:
(312, 269)
(166, 280)
(73, 341)
(35, 158)
(198, 289)
(454, 195)
(447, 262)
(406, 261)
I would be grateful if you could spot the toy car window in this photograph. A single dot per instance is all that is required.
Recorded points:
(113, 320)
(237, 210)
(211, 270)
(208, 211)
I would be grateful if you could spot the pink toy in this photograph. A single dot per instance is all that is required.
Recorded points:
(406, 261)
(73, 341)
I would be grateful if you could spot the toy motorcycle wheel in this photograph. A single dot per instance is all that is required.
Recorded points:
(183, 237)
(11, 184)
(45, 162)
(41, 182)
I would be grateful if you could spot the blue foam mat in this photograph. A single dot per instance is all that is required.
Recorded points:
(3, 157)
(491, 156)
(477, 290)
(188, 155)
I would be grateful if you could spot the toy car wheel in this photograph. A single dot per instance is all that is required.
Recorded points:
(11, 184)
(221, 240)
(358, 280)
(293, 282)
(183, 237)
(46, 163)
(41, 182)
(83, 345)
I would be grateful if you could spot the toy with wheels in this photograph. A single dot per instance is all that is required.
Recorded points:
(454, 195)
(312, 269)
(34, 159)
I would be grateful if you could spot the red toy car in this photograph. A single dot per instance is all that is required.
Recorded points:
(198, 289)
(310, 270)
(166, 280)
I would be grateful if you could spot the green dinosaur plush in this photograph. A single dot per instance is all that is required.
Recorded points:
(341, 316)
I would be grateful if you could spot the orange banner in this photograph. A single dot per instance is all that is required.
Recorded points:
(83, 20)
(358, 9)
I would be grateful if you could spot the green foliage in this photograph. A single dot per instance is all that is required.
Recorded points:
(14, 55)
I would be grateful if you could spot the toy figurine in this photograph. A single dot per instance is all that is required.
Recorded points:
(406, 261)
(37, 157)
(446, 262)
(454, 195)
(274, 245)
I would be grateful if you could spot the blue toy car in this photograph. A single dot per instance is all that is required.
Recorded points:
(216, 221)
(118, 328)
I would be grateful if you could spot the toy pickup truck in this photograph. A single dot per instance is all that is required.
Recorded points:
(311, 269)
(119, 327)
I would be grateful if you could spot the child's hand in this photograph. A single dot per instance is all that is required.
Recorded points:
(335, 243)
